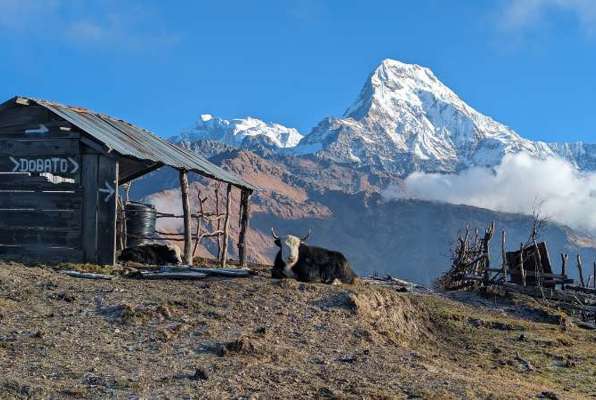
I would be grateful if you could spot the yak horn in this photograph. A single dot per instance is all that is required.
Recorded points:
(305, 238)
(274, 234)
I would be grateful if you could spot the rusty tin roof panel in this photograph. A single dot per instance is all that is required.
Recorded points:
(132, 141)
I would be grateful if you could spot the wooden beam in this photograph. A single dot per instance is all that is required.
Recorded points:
(580, 270)
(564, 259)
(184, 188)
(218, 226)
(224, 247)
(521, 264)
(138, 174)
(594, 275)
(504, 255)
(538, 265)
(244, 221)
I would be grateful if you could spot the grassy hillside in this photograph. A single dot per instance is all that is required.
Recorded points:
(62, 337)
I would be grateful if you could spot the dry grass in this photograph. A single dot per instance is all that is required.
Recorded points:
(61, 337)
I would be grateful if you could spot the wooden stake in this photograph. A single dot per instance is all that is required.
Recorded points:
(580, 270)
(120, 230)
(521, 264)
(184, 188)
(199, 223)
(594, 276)
(504, 255)
(488, 235)
(218, 227)
(538, 265)
(224, 247)
(128, 187)
(244, 218)
(564, 259)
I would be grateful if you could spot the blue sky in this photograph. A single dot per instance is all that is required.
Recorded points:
(530, 64)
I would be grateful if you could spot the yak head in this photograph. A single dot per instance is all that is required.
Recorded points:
(289, 245)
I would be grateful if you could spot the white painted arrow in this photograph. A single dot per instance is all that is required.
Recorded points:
(41, 130)
(17, 165)
(109, 190)
(75, 165)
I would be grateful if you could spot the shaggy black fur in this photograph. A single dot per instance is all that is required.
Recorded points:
(152, 254)
(316, 264)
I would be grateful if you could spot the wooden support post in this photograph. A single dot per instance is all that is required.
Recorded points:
(199, 222)
(594, 276)
(538, 265)
(564, 259)
(504, 256)
(224, 247)
(521, 264)
(488, 235)
(184, 189)
(218, 226)
(244, 218)
(120, 224)
(580, 270)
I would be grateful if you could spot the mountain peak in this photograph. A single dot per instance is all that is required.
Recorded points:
(396, 65)
(405, 119)
(393, 83)
(241, 132)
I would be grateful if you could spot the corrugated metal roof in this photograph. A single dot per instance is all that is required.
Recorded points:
(132, 141)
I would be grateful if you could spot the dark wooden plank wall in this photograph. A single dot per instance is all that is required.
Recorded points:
(107, 177)
(72, 221)
(40, 225)
(41, 254)
(39, 220)
(529, 264)
(89, 177)
(17, 120)
(100, 177)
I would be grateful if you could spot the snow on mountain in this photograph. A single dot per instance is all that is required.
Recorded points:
(581, 155)
(242, 132)
(405, 119)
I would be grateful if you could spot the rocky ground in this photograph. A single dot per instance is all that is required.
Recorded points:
(255, 338)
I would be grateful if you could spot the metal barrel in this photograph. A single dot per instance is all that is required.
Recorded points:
(140, 223)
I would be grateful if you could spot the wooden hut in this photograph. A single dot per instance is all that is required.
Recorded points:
(60, 170)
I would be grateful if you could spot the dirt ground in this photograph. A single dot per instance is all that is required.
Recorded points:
(255, 338)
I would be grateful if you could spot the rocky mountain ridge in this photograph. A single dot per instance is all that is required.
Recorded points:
(242, 132)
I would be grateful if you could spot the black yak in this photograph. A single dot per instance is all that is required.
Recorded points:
(152, 254)
(308, 263)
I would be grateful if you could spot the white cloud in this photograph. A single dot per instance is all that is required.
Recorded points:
(100, 23)
(523, 14)
(517, 185)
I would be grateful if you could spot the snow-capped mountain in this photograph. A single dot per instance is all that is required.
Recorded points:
(243, 132)
(582, 155)
(405, 119)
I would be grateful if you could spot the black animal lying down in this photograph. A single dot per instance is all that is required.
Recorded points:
(152, 254)
(308, 263)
